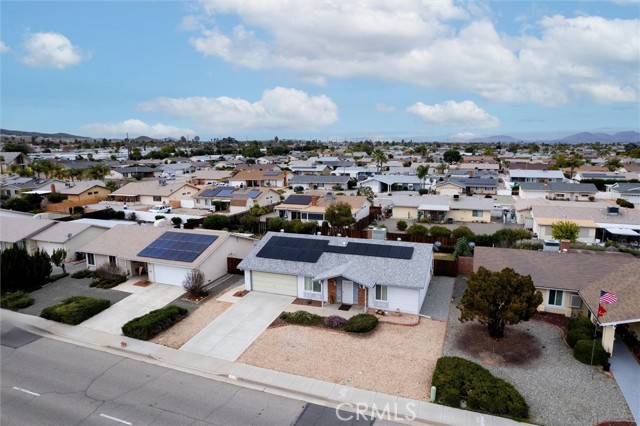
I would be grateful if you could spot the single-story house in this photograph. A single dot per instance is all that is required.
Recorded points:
(319, 181)
(152, 192)
(210, 177)
(389, 183)
(131, 172)
(177, 169)
(19, 185)
(81, 191)
(253, 178)
(69, 236)
(478, 186)
(627, 191)
(310, 207)
(317, 170)
(519, 175)
(20, 159)
(558, 191)
(605, 176)
(388, 275)
(235, 200)
(439, 208)
(571, 282)
(167, 255)
(19, 230)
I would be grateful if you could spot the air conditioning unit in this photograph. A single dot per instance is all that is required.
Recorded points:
(456, 197)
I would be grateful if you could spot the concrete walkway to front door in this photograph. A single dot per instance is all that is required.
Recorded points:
(626, 371)
(229, 335)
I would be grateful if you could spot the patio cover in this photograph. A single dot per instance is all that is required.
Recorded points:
(623, 231)
(433, 207)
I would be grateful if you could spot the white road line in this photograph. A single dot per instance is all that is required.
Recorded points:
(116, 419)
(26, 391)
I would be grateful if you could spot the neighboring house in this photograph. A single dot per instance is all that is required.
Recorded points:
(319, 182)
(132, 173)
(595, 222)
(20, 159)
(19, 185)
(312, 207)
(388, 275)
(210, 177)
(478, 186)
(442, 208)
(253, 178)
(177, 169)
(167, 255)
(358, 173)
(69, 236)
(558, 191)
(235, 200)
(571, 282)
(20, 230)
(580, 176)
(452, 187)
(81, 191)
(308, 170)
(389, 183)
(519, 175)
(627, 191)
(152, 193)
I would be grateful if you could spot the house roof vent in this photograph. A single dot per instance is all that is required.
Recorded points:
(613, 211)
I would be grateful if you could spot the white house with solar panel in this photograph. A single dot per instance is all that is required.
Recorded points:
(234, 200)
(346, 273)
(166, 255)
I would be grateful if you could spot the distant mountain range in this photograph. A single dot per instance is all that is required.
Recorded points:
(6, 132)
(584, 137)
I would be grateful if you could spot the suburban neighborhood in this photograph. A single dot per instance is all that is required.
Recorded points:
(341, 274)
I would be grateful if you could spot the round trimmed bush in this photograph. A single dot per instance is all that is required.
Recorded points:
(574, 336)
(361, 323)
(583, 349)
(401, 225)
(581, 323)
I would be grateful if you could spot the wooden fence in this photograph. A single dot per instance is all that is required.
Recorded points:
(232, 266)
(446, 268)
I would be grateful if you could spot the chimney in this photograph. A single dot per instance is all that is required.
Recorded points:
(314, 201)
(53, 188)
(565, 246)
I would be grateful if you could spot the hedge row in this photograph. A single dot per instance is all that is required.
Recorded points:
(579, 328)
(584, 348)
(75, 309)
(360, 323)
(147, 326)
(16, 300)
(458, 379)
(108, 282)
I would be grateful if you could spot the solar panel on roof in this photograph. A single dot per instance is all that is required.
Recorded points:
(183, 247)
(298, 199)
(271, 173)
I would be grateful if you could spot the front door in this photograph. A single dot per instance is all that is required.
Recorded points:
(347, 292)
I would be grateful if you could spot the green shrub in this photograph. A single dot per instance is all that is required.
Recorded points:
(574, 336)
(417, 230)
(84, 273)
(439, 231)
(401, 225)
(581, 323)
(147, 326)
(75, 309)
(107, 283)
(16, 300)
(583, 349)
(456, 379)
(302, 318)
(56, 277)
(56, 197)
(624, 203)
(463, 231)
(107, 276)
(361, 323)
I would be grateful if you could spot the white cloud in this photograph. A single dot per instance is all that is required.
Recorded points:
(135, 128)
(464, 136)
(465, 114)
(3, 47)
(442, 45)
(382, 107)
(50, 50)
(606, 93)
(279, 108)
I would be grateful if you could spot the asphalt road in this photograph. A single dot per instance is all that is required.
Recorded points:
(49, 382)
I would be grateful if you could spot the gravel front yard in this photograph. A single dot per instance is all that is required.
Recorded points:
(181, 332)
(394, 359)
(559, 389)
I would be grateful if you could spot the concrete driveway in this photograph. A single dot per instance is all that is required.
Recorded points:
(141, 301)
(235, 330)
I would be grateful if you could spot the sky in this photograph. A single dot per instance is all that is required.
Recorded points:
(315, 69)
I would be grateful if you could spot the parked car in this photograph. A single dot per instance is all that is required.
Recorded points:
(167, 176)
(160, 209)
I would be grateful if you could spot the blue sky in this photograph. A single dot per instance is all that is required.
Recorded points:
(395, 69)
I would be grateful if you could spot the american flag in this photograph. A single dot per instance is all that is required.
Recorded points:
(607, 297)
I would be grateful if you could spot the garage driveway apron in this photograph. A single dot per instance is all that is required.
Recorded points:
(142, 301)
(229, 335)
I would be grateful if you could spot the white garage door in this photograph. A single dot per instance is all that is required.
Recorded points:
(275, 283)
(172, 275)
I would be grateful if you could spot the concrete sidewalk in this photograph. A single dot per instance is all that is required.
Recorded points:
(229, 335)
(297, 387)
(626, 371)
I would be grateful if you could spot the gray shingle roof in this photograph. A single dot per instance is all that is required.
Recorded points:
(559, 186)
(336, 180)
(365, 270)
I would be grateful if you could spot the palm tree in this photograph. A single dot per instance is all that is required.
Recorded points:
(380, 158)
(422, 172)
(442, 168)
(76, 174)
(97, 172)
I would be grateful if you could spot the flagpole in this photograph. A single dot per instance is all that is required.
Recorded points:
(595, 335)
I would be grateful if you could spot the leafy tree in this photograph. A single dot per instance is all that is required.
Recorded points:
(565, 230)
(58, 257)
(257, 210)
(367, 192)
(216, 221)
(507, 237)
(498, 299)
(21, 271)
(573, 162)
(440, 231)
(452, 156)
(613, 164)
(462, 231)
(462, 248)
(18, 204)
(112, 185)
(339, 214)
(250, 222)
